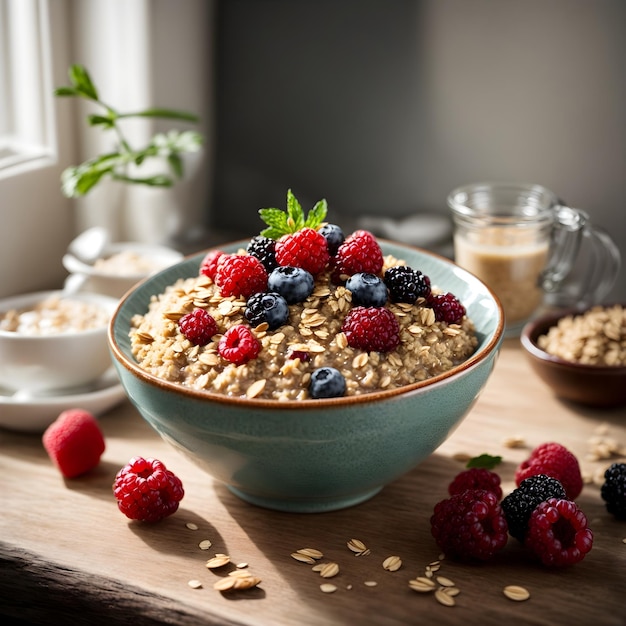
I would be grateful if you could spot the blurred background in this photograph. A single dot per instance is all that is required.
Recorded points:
(380, 107)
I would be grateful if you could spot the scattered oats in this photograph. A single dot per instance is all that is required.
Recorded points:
(329, 570)
(424, 580)
(195, 584)
(240, 573)
(241, 581)
(444, 582)
(392, 563)
(303, 558)
(428, 572)
(624, 540)
(463, 457)
(516, 593)
(451, 591)
(219, 560)
(348, 587)
(241, 565)
(191, 526)
(312, 552)
(516, 441)
(255, 388)
(444, 598)
(328, 588)
(355, 545)
(421, 587)
(370, 583)
(205, 544)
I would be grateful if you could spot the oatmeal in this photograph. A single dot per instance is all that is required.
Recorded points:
(127, 263)
(311, 338)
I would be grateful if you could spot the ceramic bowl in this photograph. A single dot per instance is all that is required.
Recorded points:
(57, 361)
(137, 261)
(591, 385)
(313, 455)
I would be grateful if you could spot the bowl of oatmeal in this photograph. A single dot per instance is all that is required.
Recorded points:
(258, 427)
(52, 341)
(581, 354)
(120, 266)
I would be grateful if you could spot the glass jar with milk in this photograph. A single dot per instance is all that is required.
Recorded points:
(530, 248)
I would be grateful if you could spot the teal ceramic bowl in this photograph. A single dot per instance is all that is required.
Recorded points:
(313, 455)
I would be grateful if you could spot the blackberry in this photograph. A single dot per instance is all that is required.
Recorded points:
(327, 382)
(264, 249)
(267, 307)
(447, 308)
(292, 283)
(367, 290)
(613, 490)
(334, 237)
(406, 284)
(521, 502)
(372, 329)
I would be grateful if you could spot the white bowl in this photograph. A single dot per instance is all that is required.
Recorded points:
(115, 282)
(62, 360)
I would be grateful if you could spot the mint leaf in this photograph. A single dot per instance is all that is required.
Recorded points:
(79, 77)
(317, 214)
(295, 215)
(485, 461)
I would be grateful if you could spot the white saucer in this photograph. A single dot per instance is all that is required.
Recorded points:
(33, 414)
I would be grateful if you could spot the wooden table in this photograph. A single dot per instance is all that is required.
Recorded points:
(69, 556)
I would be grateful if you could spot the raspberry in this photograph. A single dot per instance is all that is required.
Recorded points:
(270, 308)
(146, 490)
(294, 284)
(447, 308)
(476, 478)
(521, 502)
(209, 264)
(198, 326)
(327, 382)
(372, 329)
(239, 345)
(469, 525)
(334, 237)
(558, 533)
(554, 460)
(306, 248)
(367, 289)
(264, 249)
(74, 442)
(360, 252)
(406, 284)
(613, 490)
(240, 275)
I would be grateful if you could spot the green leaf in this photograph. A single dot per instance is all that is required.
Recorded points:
(78, 181)
(164, 114)
(66, 91)
(485, 461)
(79, 77)
(295, 215)
(317, 214)
(176, 163)
(160, 180)
(101, 120)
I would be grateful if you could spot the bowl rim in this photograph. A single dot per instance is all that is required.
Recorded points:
(310, 403)
(539, 325)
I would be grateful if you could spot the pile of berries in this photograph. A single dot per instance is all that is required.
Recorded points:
(474, 522)
(280, 268)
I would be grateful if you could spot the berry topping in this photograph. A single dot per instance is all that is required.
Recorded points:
(146, 490)
(327, 382)
(294, 284)
(239, 345)
(447, 308)
(372, 329)
(469, 525)
(367, 290)
(264, 249)
(299, 354)
(360, 252)
(521, 502)
(406, 284)
(558, 533)
(240, 275)
(476, 478)
(198, 327)
(74, 442)
(554, 460)
(209, 264)
(613, 490)
(270, 307)
(334, 237)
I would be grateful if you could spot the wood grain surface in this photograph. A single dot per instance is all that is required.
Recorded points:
(69, 556)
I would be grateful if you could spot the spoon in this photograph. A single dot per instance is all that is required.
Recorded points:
(90, 244)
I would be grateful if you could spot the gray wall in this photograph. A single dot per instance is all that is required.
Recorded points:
(384, 106)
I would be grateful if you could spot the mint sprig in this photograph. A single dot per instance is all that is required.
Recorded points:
(280, 222)
(484, 461)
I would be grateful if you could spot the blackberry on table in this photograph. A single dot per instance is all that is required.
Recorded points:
(367, 290)
(406, 284)
(267, 307)
(264, 249)
(613, 490)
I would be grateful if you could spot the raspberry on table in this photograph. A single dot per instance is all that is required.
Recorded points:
(295, 284)
(360, 252)
(264, 249)
(208, 265)
(554, 460)
(476, 478)
(198, 327)
(367, 289)
(406, 284)
(240, 275)
(268, 307)
(146, 490)
(470, 525)
(327, 382)
(558, 533)
(239, 345)
(447, 308)
(521, 502)
(334, 236)
(74, 442)
(613, 490)
(306, 248)
(372, 329)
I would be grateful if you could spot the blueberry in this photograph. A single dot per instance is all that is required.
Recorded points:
(267, 307)
(292, 283)
(367, 290)
(327, 382)
(334, 237)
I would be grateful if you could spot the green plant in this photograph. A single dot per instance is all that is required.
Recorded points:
(80, 179)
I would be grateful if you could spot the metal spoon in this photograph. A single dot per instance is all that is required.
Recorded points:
(89, 245)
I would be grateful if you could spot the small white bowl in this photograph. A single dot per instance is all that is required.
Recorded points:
(41, 363)
(116, 280)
